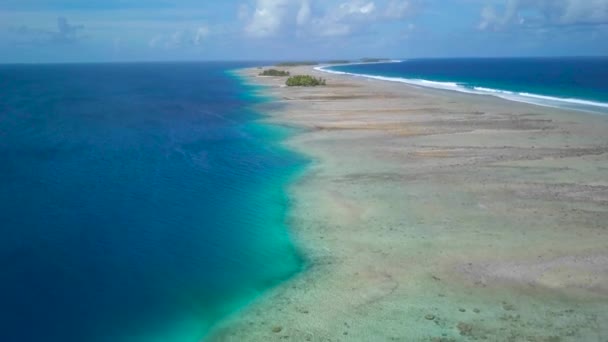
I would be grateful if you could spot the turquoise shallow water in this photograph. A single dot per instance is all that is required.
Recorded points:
(140, 202)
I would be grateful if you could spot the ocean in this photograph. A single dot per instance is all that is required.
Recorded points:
(139, 202)
(574, 83)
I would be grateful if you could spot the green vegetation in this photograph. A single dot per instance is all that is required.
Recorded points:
(304, 81)
(292, 64)
(338, 61)
(374, 60)
(274, 72)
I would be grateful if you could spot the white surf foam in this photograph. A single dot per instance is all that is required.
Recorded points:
(569, 100)
(541, 100)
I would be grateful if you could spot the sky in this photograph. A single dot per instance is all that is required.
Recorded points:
(170, 30)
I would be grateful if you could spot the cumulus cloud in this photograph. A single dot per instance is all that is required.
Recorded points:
(65, 33)
(539, 13)
(357, 7)
(588, 11)
(304, 13)
(181, 38)
(267, 18)
(201, 34)
(319, 18)
(398, 9)
(344, 19)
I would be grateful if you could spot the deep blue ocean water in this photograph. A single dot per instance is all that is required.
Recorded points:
(138, 202)
(576, 83)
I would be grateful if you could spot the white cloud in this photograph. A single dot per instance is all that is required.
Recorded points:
(538, 13)
(201, 34)
(181, 38)
(267, 18)
(489, 18)
(344, 19)
(357, 7)
(321, 18)
(398, 9)
(65, 33)
(587, 11)
(304, 13)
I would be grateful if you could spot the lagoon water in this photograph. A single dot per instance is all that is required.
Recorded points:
(138, 202)
(570, 82)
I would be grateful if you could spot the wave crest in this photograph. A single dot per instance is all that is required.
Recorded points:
(536, 99)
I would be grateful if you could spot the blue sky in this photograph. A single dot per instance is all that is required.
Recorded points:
(160, 30)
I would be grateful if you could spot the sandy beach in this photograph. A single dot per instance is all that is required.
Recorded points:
(429, 215)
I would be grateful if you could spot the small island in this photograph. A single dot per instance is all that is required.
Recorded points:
(293, 64)
(339, 61)
(274, 72)
(374, 60)
(305, 81)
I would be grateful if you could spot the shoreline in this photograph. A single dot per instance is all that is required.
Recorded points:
(435, 216)
(544, 100)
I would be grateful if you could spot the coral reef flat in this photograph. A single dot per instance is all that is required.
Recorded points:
(430, 215)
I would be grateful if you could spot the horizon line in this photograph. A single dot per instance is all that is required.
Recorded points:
(319, 61)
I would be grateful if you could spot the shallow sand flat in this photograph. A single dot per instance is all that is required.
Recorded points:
(437, 216)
